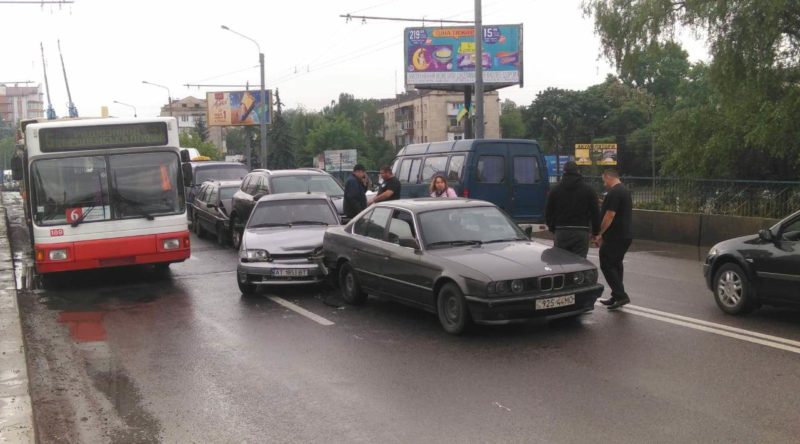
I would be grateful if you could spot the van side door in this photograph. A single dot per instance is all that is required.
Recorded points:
(490, 174)
(528, 182)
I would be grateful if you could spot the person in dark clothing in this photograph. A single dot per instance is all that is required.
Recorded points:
(572, 212)
(615, 237)
(390, 189)
(355, 197)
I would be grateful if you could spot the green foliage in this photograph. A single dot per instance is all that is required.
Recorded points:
(201, 129)
(192, 140)
(281, 154)
(512, 126)
(337, 133)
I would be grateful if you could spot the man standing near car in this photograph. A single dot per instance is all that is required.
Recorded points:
(390, 188)
(355, 193)
(572, 212)
(615, 237)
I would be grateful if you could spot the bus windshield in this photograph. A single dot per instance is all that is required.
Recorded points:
(97, 188)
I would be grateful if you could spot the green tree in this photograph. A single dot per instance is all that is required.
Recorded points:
(201, 129)
(334, 134)
(512, 126)
(192, 140)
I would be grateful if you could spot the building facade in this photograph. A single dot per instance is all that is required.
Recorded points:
(188, 111)
(20, 102)
(433, 116)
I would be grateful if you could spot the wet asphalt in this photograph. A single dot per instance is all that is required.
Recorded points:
(128, 355)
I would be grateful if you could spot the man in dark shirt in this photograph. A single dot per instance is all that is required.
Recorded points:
(355, 197)
(572, 213)
(615, 237)
(390, 189)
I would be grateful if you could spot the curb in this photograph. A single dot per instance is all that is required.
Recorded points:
(16, 411)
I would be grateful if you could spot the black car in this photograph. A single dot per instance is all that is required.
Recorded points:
(749, 271)
(211, 207)
(260, 183)
(204, 171)
(464, 260)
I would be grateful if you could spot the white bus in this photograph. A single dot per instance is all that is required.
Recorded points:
(103, 193)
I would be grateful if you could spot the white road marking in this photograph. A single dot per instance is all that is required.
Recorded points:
(301, 311)
(714, 328)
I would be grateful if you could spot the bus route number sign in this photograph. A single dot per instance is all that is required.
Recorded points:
(74, 214)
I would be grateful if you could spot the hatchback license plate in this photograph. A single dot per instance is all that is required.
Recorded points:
(290, 272)
(560, 301)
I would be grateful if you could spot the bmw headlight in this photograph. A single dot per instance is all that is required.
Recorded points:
(517, 286)
(254, 255)
(579, 278)
(590, 276)
(503, 287)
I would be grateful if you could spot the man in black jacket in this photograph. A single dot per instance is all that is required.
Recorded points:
(572, 212)
(355, 197)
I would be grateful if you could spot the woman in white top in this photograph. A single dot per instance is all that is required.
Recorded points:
(439, 188)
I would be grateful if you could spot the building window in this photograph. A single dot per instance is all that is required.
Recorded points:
(184, 118)
(424, 123)
(426, 138)
(454, 121)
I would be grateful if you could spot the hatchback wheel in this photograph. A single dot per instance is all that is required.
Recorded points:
(452, 309)
(198, 230)
(236, 233)
(352, 293)
(732, 290)
(248, 290)
(222, 236)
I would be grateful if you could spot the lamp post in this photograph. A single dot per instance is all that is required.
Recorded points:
(264, 104)
(558, 148)
(479, 124)
(129, 106)
(169, 94)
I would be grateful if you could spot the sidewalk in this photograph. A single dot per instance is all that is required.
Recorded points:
(16, 412)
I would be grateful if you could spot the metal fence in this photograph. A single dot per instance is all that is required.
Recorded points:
(725, 197)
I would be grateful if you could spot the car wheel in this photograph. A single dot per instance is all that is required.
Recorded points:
(198, 230)
(236, 234)
(352, 293)
(222, 236)
(248, 290)
(452, 309)
(732, 290)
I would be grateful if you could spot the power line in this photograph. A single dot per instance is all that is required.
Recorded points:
(37, 2)
(364, 18)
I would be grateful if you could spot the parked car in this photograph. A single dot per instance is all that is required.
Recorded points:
(463, 259)
(261, 183)
(282, 242)
(510, 173)
(211, 208)
(746, 272)
(203, 171)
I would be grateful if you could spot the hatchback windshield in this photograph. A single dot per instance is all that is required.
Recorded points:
(86, 189)
(220, 172)
(293, 212)
(317, 183)
(462, 226)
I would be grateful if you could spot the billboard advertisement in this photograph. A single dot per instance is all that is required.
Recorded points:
(551, 164)
(596, 154)
(238, 108)
(445, 56)
(340, 160)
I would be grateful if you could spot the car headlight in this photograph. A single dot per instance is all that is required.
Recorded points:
(713, 252)
(254, 255)
(578, 278)
(517, 286)
(503, 287)
(58, 255)
(590, 276)
(491, 288)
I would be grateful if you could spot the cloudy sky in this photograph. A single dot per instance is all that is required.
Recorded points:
(111, 46)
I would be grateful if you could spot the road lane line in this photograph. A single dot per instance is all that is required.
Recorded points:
(301, 311)
(716, 331)
(719, 326)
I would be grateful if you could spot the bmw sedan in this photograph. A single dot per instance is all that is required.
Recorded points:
(749, 271)
(464, 260)
(282, 241)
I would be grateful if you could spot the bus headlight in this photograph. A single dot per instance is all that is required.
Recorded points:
(58, 255)
(171, 244)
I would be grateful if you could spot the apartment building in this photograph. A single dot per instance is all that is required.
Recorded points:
(189, 111)
(20, 102)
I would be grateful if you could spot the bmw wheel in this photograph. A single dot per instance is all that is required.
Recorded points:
(732, 290)
(452, 309)
(352, 293)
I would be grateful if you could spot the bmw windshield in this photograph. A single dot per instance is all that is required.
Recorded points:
(467, 226)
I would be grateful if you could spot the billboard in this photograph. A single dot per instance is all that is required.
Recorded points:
(238, 108)
(340, 160)
(596, 153)
(444, 57)
(551, 164)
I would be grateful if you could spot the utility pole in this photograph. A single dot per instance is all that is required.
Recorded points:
(73, 111)
(479, 127)
(51, 113)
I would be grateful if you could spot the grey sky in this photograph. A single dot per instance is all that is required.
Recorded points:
(312, 55)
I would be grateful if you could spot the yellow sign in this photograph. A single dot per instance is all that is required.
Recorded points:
(596, 154)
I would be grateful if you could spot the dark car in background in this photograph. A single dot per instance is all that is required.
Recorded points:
(282, 242)
(204, 171)
(746, 272)
(261, 183)
(464, 260)
(211, 209)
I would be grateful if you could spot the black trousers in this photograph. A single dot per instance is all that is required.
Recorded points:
(574, 240)
(612, 253)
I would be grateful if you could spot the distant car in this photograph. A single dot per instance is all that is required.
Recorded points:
(211, 209)
(282, 242)
(203, 171)
(261, 183)
(464, 260)
(746, 272)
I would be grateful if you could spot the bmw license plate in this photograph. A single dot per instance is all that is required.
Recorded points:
(560, 301)
(290, 272)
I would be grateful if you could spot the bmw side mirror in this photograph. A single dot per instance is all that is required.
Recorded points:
(408, 242)
(258, 196)
(765, 235)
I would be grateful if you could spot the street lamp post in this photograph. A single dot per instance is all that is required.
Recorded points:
(129, 106)
(558, 148)
(264, 104)
(169, 94)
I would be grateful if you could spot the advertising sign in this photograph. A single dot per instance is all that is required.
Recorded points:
(442, 57)
(551, 164)
(238, 108)
(340, 160)
(596, 154)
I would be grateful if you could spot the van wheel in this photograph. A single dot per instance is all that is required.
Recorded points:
(452, 309)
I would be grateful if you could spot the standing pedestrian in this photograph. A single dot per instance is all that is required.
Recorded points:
(572, 212)
(355, 193)
(615, 237)
(439, 187)
(390, 188)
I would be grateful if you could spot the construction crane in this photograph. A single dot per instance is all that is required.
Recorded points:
(51, 113)
(73, 111)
